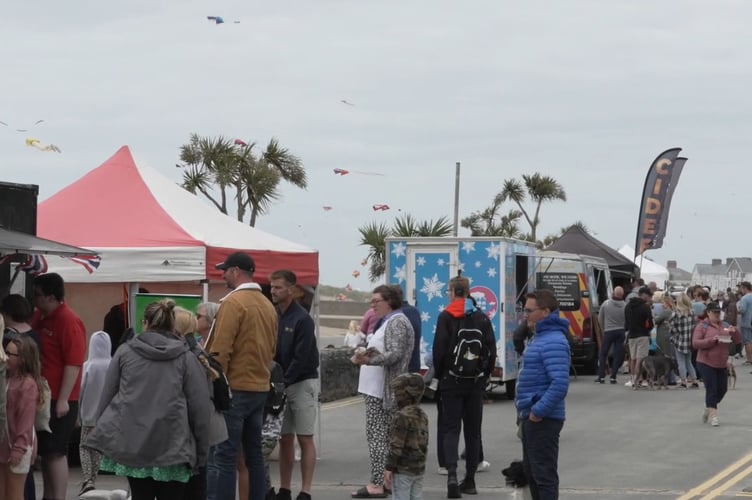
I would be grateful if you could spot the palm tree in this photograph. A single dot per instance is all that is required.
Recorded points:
(373, 235)
(552, 238)
(487, 222)
(221, 164)
(539, 188)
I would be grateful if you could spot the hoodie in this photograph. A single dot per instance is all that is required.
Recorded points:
(92, 379)
(611, 315)
(638, 318)
(155, 407)
(460, 311)
(543, 380)
(408, 444)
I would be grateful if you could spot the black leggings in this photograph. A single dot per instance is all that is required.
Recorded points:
(150, 489)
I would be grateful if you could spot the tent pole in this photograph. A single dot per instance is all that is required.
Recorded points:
(205, 293)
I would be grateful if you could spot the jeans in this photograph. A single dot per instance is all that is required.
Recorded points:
(149, 489)
(684, 362)
(462, 402)
(540, 457)
(406, 487)
(244, 420)
(615, 338)
(715, 381)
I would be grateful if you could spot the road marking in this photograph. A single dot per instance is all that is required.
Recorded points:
(342, 403)
(704, 487)
(728, 484)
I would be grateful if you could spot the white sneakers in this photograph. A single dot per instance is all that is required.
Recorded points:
(484, 466)
(442, 471)
(714, 421)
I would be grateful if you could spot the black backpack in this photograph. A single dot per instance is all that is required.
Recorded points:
(276, 398)
(469, 355)
(222, 396)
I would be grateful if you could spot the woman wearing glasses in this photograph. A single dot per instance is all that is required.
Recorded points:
(386, 356)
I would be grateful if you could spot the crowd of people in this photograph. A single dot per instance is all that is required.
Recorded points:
(697, 330)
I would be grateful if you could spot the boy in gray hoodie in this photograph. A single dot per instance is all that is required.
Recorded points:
(611, 319)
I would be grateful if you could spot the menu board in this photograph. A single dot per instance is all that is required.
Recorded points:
(566, 288)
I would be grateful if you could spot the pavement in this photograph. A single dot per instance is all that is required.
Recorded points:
(616, 443)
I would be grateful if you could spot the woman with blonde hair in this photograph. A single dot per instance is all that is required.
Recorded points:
(680, 335)
(185, 322)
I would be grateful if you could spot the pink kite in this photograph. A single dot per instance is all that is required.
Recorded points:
(326, 208)
(341, 297)
(348, 287)
(356, 273)
(343, 172)
(240, 142)
(364, 262)
(380, 207)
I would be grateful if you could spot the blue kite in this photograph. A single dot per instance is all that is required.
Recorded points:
(216, 19)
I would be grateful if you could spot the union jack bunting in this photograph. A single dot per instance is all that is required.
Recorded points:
(89, 262)
(34, 264)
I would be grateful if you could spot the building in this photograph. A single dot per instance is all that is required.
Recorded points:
(678, 279)
(719, 275)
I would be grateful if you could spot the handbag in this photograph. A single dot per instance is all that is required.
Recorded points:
(42, 417)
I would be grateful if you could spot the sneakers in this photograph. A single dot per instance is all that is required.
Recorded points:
(628, 383)
(305, 496)
(468, 486)
(453, 488)
(87, 486)
(271, 494)
(284, 494)
(600, 381)
(705, 414)
(714, 421)
(613, 380)
(442, 471)
(484, 466)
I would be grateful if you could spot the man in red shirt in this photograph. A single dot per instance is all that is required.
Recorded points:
(62, 339)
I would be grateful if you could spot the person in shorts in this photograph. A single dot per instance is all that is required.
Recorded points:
(298, 356)
(638, 320)
(62, 339)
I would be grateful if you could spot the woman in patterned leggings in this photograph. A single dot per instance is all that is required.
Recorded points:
(386, 356)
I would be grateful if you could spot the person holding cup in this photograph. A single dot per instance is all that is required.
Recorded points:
(711, 338)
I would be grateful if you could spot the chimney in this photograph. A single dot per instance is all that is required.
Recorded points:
(716, 262)
(728, 260)
(671, 264)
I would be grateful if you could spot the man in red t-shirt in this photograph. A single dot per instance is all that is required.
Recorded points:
(62, 339)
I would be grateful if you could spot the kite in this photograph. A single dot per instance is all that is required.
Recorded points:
(356, 273)
(24, 129)
(363, 262)
(216, 19)
(347, 103)
(326, 208)
(341, 297)
(348, 288)
(240, 142)
(36, 143)
(380, 207)
(343, 172)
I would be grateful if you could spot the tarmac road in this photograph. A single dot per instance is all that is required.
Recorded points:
(616, 443)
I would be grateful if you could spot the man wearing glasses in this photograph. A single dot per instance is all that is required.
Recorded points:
(244, 339)
(542, 385)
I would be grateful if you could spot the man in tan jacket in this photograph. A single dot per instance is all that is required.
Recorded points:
(244, 340)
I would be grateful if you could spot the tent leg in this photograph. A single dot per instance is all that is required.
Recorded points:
(205, 293)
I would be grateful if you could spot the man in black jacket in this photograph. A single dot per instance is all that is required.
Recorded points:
(638, 322)
(462, 375)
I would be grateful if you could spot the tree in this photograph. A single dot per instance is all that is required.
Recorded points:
(222, 165)
(487, 222)
(552, 238)
(539, 189)
(374, 234)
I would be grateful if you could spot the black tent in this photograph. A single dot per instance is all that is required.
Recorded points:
(13, 242)
(576, 240)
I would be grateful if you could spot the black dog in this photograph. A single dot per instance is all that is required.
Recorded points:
(514, 475)
(657, 369)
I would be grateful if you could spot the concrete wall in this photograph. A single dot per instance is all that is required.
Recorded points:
(339, 377)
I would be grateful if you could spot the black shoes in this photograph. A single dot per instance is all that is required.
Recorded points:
(600, 381)
(284, 494)
(613, 380)
(468, 486)
(453, 488)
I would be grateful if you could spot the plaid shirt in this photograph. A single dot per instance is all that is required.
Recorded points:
(681, 331)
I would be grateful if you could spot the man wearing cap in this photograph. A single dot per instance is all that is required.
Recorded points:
(243, 339)
(638, 321)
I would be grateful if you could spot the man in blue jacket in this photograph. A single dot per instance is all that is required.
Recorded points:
(542, 385)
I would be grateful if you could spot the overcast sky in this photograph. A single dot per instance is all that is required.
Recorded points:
(588, 92)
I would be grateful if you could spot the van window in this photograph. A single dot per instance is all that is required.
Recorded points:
(601, 285)
(565, 286)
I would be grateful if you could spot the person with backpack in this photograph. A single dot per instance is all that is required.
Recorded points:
(464, 353)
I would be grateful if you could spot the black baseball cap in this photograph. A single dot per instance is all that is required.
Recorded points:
(712, 306)
(240, 260)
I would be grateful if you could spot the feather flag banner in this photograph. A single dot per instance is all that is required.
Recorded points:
(660, 184)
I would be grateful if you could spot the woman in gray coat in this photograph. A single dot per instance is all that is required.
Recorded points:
(154, 411)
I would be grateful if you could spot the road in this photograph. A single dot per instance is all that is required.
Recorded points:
(617, 443)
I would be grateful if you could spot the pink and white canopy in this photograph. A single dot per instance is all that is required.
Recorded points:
(148, 229)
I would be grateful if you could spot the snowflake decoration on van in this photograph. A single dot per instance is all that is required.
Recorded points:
(399, 273)
(478, 264)
(398, 249)
(468, 246)
(494, 251)
(433, 288)
(425, 317)
(421, 261)
(491, 272)
(440, 262)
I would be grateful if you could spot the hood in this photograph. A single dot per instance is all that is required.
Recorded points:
(408, 389)
(158, 346)
(635, 301)
(100, 346)
(552, 322)
(460, 307)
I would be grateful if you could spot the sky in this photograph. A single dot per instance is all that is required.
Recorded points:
(588, 92)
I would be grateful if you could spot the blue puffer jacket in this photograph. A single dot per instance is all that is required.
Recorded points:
(543, 381)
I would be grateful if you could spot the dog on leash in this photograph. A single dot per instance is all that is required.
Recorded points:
(731, 374)
(657, 368)
(514, 475)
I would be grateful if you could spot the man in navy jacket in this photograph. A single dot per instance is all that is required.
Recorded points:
(542, 385)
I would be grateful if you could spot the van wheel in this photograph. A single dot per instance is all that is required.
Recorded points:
(509, 387)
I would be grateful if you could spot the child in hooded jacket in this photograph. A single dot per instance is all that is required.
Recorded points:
(92, 382)
(406, 462)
